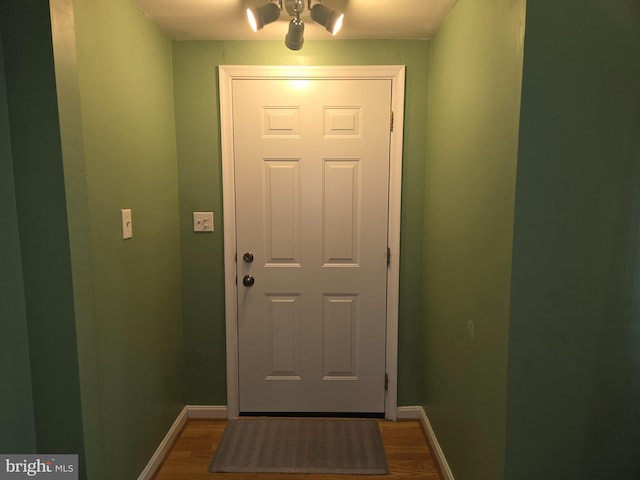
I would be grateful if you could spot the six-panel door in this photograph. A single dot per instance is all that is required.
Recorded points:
(312, 174)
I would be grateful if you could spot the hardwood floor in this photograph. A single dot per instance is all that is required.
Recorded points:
(408, 455)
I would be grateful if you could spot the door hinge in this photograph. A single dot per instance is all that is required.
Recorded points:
(386, 382)
(391, 121)
(388, 256)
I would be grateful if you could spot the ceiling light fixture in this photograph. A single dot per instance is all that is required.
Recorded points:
(331, 20)
(295, 35)
(260, 16)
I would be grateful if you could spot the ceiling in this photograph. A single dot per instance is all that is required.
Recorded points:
(226, 19)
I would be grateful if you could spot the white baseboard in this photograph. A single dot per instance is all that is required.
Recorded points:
(188, 412)
(419, 414)
(211, 412)
(165, 446)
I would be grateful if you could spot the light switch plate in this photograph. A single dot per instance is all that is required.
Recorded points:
(203, 221)
(127, 226)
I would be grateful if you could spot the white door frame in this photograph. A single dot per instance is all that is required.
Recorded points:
(229, 73)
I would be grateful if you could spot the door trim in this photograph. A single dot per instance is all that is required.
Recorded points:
(229, 73)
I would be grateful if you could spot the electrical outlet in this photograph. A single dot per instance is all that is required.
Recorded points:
(127, 225)
(203, 221)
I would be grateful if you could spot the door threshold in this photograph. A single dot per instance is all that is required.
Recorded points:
(315, 414)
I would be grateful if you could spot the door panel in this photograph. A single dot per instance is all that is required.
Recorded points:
(340, 352)
(282, 210)
(312, 167)
(341, 232)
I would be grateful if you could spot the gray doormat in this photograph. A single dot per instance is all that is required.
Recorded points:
(301, 445)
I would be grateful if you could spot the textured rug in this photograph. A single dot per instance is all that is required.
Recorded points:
(301, 445)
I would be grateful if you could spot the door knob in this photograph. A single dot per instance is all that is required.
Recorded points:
(247, 257)
(248, 280)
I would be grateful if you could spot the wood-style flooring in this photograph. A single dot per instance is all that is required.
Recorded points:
(408, 455)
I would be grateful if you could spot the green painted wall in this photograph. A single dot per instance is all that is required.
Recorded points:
(64, 45)
(197, 126)
(574, 361)
(119, 94)
(17, 430)
(42, 224)
(472, 139)
(103, 315)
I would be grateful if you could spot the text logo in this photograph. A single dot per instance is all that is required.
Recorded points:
(49, 467)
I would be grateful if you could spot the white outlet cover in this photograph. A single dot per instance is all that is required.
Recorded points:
(127, 225)
(203, 221)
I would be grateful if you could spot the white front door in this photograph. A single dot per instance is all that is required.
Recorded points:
(311, 185)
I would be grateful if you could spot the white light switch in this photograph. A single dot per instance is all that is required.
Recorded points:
(203, 221)
(127, 226)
